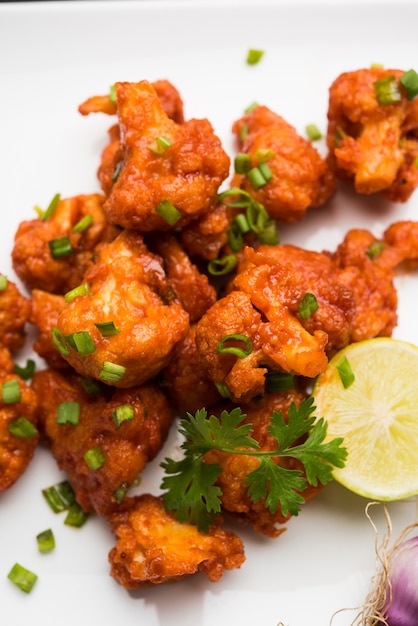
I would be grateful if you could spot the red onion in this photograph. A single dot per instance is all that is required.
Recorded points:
(402, 609)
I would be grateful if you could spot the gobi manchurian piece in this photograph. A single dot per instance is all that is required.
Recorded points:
(19, 435)
(14, 313)
(169, 173)
(153, 547)
(122, 326)
(373, 132)
(52, 252)
(103, 442)
(297, 177)
(45, 308)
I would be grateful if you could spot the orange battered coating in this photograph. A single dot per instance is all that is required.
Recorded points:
(301, 177)
(402, 239)
(205, 237)
(192, 288)
(187, 174)
(235, 468)
(16, 452)
(374, 145)
(32, 259)
(6, 362)
(185, 379)
(153, 548)
(127, 286)
(126, 448)
(14, 313)
(45, 308)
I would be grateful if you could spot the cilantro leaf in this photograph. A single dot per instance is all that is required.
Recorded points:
(299, 423)
(276, 485)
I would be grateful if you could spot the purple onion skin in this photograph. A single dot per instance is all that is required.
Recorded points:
(403, 574)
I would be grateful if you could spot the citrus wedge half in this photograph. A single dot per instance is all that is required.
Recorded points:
(376, 413)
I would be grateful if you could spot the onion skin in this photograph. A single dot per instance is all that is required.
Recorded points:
(403, 575)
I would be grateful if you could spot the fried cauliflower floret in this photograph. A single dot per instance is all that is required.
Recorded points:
(187, 174)
(127, 286)
(402, 239)
(192, 288)
(6, 362)
(34, 261)
(45, 308)
(205, 237)
(153, 548)
(185, 379)
(14, 313)
(126, 447)
(300, 176)
(16, 450)
(373, 144)
(235, 468)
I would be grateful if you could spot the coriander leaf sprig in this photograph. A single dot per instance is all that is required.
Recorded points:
(190, 484)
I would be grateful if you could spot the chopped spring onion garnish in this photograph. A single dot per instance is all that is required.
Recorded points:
(256, 218)
(345, 372)
(240, 352)
(59, 496)
(25, 372)
(168, 212)
(122, 413)
(92, 387)
(225, 265)
(260, 175)
(279, 382)
(60, 247)
(241, 221)
(3, 282)
(94, 458)
(313, 132)
(269, 235)
(75, 517)
(44, 215)
(46, 541)
(80, 290)
(60, 342)
(223, 389)
(107, 329)
(159, 145)
(81, 342)
(242, 163)
(409, 82)
(251, 107)
(307, 306)
(22, 577)
(117, 170)
(243, 132)
(10, 392)
(254, 56)
(387, 90)
(375, 249)
(112, 372)
(83, 224)
(68, 413)
(263, 154)
(120, 493)
(22, 428)
(235, 237)
(112, 94)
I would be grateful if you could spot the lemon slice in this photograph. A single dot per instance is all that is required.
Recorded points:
(377, 415)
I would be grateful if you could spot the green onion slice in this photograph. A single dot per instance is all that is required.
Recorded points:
(307, 306)
(107, 329)
(270, 234)
(80, 290)
(112, 372)
(45, 215)
(243, 132)
(117, 171)
(22, 577)
(159, 145)
(223, 389)
(375, 249)
(60, 247)
(27, 371)
(112, 94)
(46, 541)
(263, 154)
(81, 342)
(22, 428)
(94, 458)
(279, 381)
(254, 56)
(59, 496)
(120, 493)
(168, 212)
(240, 352)
(10, 392)
(260, 175)
(68, 413)
(313, 132)
(60, 342)
(251, 107)
(242, 163)
(83, 224)
(91, 387)
(345, 372)
(409, 82)
(75, 517)
(387, 90)
(225, 265)
(3, 282)
(122, 413)
(235, 237)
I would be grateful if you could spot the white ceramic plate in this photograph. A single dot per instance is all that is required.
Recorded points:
(55, 55)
